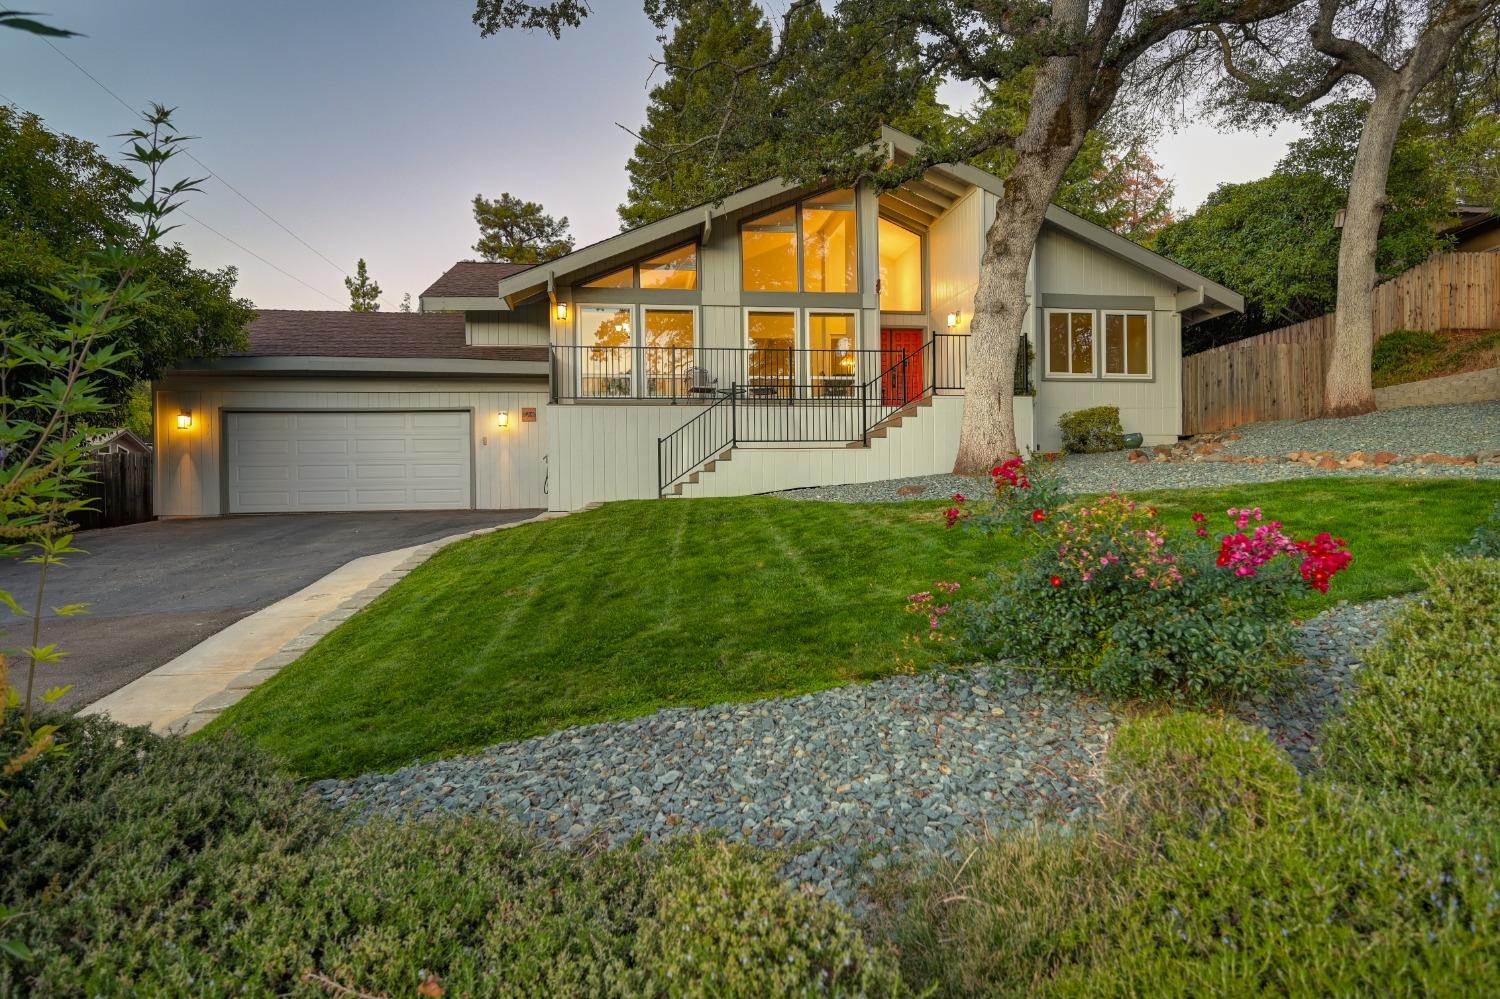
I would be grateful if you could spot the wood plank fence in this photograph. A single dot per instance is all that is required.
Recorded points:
(120, 490)
(1279, 375)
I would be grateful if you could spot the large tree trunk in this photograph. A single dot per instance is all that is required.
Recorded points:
(1348, 390)
(1053, 134)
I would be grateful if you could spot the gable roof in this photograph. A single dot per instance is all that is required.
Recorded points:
(1199, 293)
(327, 333)
(471, 279)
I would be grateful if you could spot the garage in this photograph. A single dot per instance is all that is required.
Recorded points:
(325, 461)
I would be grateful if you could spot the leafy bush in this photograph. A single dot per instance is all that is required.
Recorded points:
(1424, 716)
(1092, 431)
(1105, 603)
(1405, 352)
(163, 867)
(1486, 540)
(1211, 873)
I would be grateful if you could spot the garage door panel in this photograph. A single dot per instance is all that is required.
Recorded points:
(348, 461)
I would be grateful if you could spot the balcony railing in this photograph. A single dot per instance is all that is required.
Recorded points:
(672, 374)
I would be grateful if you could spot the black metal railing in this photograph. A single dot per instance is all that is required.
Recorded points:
(674, 374)
(777, 407)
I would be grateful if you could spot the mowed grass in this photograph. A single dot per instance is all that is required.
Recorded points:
(638, 606)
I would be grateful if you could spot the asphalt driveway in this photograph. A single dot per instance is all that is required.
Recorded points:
(155, 590)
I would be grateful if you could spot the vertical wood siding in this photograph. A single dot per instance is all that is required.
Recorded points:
(526, 326)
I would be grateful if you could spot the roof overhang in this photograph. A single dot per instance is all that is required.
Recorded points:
(373, 367)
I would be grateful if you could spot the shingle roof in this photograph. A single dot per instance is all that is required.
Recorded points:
(311, 333)
(472, 279)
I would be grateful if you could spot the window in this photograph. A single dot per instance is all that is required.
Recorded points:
(1127, 345)
(900, 268)
(669, 342)
(676, 269)
(606, 367)
(810, 247)
(622, 278)
(831, 337)
(1070, 344)
(771, 364)
(768, 252)
(830, 256)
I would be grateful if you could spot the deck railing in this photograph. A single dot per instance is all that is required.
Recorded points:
(678, 374)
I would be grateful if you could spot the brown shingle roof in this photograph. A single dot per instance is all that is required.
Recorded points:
(309, 333)
(472, 279)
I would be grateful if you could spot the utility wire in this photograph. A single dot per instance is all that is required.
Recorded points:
(262, 259)
(243, 197)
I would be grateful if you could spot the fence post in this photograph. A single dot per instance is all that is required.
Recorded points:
(864, 412)
(734, 423)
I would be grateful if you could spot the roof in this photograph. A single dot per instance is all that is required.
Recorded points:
(1208, 297)
(125, 437)
(316, 333)
(472, 279)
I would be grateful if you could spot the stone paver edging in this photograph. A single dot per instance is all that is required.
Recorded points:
(263, 669)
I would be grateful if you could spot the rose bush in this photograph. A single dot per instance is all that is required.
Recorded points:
(1111, 601)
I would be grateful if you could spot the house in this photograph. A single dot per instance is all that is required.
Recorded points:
(122, 441)
(786, 336)
(1474, 229)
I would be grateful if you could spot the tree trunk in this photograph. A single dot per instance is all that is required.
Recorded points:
(1054, 131)
(1348, 390)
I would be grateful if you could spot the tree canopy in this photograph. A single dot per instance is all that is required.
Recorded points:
(364, 293)
(61, 202)
(515, 231)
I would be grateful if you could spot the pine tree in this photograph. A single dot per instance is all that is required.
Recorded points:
(684, 158)
(406, 302)
(514, 231)
(364, 294)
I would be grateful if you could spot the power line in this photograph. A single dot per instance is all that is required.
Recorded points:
(262, 259)
(244, 197)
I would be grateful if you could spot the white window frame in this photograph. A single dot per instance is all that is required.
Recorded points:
(1104, 372)
(635, 338)
(1046, 338)
(806, 335)
(639, 333)
(798, 335)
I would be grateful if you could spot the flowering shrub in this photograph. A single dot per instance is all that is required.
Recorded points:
(926, 604)
(1022, 493)
(1110, 601)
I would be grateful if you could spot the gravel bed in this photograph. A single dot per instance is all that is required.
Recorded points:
(848, 778)
(1457, 430)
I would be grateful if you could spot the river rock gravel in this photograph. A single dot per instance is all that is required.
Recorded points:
(847, 779)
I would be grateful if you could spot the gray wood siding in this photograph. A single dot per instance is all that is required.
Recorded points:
(526, 326)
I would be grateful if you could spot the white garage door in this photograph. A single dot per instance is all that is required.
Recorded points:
(307, 462)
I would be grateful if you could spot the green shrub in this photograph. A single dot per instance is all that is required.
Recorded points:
(1486, 540)
(1424, 715)
(164, 867)
(1307, 892)
(1402, 348)
(1092, 431)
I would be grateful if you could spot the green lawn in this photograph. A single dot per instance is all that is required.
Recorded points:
(643, 605)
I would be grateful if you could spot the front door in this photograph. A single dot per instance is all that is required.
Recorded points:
(901, 383)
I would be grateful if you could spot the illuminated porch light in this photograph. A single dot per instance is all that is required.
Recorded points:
(561, 312)
(953, 318)
(503, 420)
(184, 419)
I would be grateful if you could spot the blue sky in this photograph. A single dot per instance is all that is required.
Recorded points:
(366, 128)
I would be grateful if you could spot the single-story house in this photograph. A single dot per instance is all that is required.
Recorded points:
(786, 336)
(122, 441)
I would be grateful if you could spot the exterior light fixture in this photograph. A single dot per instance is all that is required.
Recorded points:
(184, 419)
(953, 318)
(561, 312)
(503, 420)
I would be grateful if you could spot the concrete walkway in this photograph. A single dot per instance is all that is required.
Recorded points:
(186, 693)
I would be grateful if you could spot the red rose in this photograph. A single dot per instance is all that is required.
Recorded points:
(1037, 516)
(1056, 580)
(1199, 518)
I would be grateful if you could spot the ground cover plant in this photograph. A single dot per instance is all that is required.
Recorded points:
(1412, 355)
(636, 606)
(155, 866)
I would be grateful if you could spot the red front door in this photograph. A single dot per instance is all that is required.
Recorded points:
(902, 382)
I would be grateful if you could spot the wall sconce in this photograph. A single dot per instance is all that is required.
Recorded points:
(503, 420)
(953, 318)
(184, 419)
(561, 312)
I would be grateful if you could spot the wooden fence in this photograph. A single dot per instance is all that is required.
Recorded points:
(1279, 375)
(121, 491)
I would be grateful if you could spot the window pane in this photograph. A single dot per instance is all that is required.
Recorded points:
(768, 252)
(830, 342)
(773, 335)
(1082, 328)
(830, 254)
(605, 368)
(1114, 343)
(1057, 343)
(1138, 345)
(622, 278)
(668, 337)
(900, 268)
(674, 269)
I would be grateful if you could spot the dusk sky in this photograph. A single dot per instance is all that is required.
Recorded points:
(367, 128)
